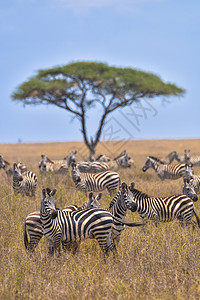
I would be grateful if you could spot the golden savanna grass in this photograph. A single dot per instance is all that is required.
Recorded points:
(154, 262)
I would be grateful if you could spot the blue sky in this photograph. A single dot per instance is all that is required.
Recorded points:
(159, 36)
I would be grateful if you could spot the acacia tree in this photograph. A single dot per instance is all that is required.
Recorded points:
(78, 86)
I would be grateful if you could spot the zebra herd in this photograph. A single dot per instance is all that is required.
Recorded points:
(68, 226)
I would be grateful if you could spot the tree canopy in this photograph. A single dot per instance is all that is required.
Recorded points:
(78, 86)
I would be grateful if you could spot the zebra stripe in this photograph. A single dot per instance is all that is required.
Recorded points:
(189, 188)
(33, 225)
(24, 182)
(124, 160)
(164, 171)
(164, 209)
(95, 182)
(194, 180)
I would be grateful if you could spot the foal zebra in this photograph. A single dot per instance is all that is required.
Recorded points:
(33, 225)
(24, 182)
(6, 166)
(72, 227)
(164, 171)
(165, 209)
(95, 182)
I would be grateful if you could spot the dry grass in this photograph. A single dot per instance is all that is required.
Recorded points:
(154, 263)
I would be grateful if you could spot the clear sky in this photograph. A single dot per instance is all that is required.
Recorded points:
(160, 36)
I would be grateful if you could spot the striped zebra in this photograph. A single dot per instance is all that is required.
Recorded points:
(33, 225)
(95, 182)
(164, 171)
(24, 183)
(124, 160)
(72, 227)
(193, 179)
(164, 209)
(47, 165)
(194, 160)
(189, 188)
(92, 167)
(5, 165)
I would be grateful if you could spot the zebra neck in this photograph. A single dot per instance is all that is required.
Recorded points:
(141, 199)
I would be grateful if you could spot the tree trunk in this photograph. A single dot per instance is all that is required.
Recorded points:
(92, 153)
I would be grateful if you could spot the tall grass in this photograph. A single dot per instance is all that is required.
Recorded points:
(154, 262)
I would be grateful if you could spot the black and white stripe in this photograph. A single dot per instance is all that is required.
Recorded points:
(124, 160)
(24, 182)
(189, 188)
(95, 182)
(164, 171)
(194, 180)
(165, 209)
(33, 225)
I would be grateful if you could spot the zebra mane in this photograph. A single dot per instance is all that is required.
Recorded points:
(114, 200)
(139, 192)
(156, 159)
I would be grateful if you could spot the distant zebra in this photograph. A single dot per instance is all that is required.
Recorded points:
(47, 165)
(24, 183)
(92, 167)
(33, 225)
(169, 158)
(194, 180)
(164, 171)
(194, 160)
(164, 209)
(124, 160)
(189, 188)
(95, 182)
(6, 166)
(72, 227)
(184, 158)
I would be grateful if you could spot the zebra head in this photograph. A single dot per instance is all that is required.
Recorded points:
(17, 174)
(188, 188)
(75, 173)
(187, 155)
(148, 164)
(188, 170)
(22, 168)
(71, 158)
(93, 202)
(103, 158)
(48, 202)
(2, 162)
(125, 197)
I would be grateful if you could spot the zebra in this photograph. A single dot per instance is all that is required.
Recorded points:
(193, 179)
(72, 227)
(33, 226)
(124, 160)
(92, 167)
(164, 209)
(24, 183)
(194, 160)
(6, 166)
(189, 188)
(164, 171)
(47, 165)
(95, 182)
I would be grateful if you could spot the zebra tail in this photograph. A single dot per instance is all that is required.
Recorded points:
(25, 236)
(198, 219)
(128, 223)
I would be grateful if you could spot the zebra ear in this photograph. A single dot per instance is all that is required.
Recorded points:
(99, 196)
(53, 192)
(90, 195)
(73, 165)
(124, 186)
(44, 193)
(132, 185)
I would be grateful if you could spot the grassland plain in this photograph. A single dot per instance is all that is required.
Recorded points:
(154, 262)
